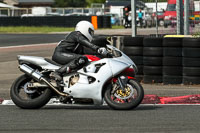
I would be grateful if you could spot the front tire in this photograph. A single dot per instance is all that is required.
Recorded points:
(38, 98)
(125, 100)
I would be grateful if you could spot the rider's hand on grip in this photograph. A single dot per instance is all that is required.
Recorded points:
(102, 51)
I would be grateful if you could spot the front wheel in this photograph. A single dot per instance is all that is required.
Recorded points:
(29, 98)
(130, 98)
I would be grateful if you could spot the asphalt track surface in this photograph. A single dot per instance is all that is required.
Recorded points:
(91, 119)
(26, 39)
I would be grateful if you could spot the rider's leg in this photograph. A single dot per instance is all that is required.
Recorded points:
(74, 64)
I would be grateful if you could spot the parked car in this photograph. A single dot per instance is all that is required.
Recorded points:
(170, 16)
(160, 17)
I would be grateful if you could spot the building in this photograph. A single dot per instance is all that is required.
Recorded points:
(139, 3)
(29, 3)
(117, 6)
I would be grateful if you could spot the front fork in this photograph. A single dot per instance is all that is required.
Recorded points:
(122, 81)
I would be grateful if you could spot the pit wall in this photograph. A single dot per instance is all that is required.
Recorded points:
(56, 21)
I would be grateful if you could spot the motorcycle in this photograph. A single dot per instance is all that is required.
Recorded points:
(110, 79)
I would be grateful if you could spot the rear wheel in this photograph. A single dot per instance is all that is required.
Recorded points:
(29, 98)
(130, 98)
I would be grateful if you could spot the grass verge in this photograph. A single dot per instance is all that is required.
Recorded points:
(32, 29)
(41, 29)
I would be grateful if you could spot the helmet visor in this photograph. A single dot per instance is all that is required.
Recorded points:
(91, 32)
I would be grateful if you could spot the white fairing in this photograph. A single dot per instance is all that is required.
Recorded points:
(124, 58)
(39, 61)
(82, 89)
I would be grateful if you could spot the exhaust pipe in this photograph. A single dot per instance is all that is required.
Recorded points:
(30, 71)
(39, 77)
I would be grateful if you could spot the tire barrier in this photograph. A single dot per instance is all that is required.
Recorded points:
(172, 60)
(133, 47)
(132, 41)
(165, 60)
(191, 61)
(152, 60)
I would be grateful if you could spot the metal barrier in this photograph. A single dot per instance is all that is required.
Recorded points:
(55, 11)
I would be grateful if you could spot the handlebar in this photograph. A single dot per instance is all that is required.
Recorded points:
(110, 55)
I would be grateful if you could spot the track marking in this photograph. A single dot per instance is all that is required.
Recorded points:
(29, 45)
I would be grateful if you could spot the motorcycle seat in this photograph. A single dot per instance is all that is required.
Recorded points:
(52, 62)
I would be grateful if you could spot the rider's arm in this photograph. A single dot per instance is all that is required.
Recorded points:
(83, 41)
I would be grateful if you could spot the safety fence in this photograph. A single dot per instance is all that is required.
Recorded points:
(161, 16)
(58, 21)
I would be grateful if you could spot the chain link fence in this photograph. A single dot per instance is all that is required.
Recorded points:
(160, 17)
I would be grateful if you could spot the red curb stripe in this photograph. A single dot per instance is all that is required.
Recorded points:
(188, 99)
(1, 100)
(151, 99)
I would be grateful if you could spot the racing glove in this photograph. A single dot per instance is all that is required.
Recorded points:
(102, 51)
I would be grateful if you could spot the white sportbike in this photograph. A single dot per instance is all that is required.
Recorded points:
(111, 79)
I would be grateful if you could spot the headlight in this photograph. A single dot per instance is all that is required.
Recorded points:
(134, 68)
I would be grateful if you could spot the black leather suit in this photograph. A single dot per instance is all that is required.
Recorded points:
(69, 51)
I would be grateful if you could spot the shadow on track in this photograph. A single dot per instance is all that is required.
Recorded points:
(92, 107)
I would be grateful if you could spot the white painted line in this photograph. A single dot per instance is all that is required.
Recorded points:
(28, 45)
(51, 102)
(8, 102)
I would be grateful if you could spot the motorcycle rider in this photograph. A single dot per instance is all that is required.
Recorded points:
(69, 52)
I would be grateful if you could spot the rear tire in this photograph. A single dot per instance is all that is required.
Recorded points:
(27, 101)
(131, 102)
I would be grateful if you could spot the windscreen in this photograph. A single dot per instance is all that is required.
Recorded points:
(171, 7)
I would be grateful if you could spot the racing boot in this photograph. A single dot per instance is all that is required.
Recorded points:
(58, 73)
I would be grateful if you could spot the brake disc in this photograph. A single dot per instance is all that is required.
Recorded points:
(129, 91)
(28, 90)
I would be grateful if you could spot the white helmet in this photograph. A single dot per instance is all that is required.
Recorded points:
(86, 28)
